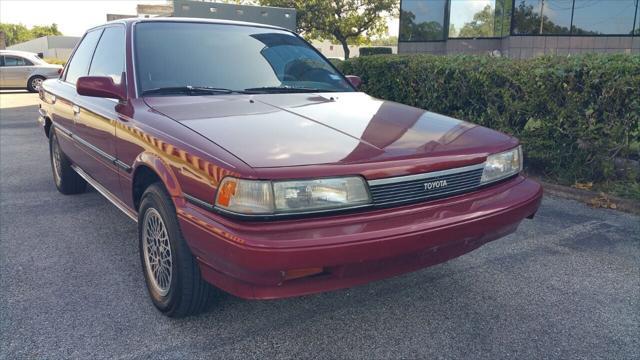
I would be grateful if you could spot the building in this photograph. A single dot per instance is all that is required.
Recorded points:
(50, 47)
(282, 17)
(519, 28)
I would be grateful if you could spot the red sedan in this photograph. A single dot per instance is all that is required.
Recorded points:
(251, 164)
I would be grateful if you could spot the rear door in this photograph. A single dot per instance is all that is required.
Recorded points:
(15, 71)
(96, 120)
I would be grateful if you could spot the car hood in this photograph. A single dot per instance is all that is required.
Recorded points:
(275, 130)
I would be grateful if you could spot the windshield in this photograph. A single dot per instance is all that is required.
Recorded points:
(233, 57)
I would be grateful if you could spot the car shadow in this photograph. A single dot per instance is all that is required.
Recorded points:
(16, 91)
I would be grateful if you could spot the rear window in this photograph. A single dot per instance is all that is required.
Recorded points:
(16, 61)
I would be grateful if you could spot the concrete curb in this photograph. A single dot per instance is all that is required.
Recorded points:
(585, 196)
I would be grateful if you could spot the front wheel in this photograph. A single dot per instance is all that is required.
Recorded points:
(171, 273)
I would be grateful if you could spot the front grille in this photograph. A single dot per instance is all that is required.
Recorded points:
(414, 188)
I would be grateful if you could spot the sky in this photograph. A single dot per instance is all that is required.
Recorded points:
(72, 16)
(75, 16)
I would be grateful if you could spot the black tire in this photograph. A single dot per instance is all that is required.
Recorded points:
(187, 293)
(66, 179)
(30, 83)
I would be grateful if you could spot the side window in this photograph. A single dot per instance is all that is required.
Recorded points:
(16, 61)
(108, 60)
(79, 64)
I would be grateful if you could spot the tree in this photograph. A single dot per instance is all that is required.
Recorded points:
(345, 21)
(44, 30)
(17, 33)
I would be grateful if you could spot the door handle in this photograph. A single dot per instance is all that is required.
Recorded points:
(76, 109)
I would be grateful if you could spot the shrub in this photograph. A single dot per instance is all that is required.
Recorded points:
(336, 62)
(55, 61)
(367, 51)
(573, 115)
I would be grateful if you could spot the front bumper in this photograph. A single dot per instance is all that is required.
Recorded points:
(250, 260)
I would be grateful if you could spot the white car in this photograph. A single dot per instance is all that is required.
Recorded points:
(21, 69)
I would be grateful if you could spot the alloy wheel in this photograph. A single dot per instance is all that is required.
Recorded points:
(36, 83)
(157, 251)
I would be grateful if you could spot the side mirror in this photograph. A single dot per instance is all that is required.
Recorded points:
(101, 86)
(354, 80)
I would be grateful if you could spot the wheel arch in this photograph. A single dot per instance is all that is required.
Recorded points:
(147, 169)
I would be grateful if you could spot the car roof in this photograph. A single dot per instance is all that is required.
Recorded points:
(198, 20)
(17, 52)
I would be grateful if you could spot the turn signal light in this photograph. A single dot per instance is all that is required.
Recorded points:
(226, 192)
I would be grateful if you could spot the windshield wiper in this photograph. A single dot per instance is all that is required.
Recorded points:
(285, 89)
(190, 90)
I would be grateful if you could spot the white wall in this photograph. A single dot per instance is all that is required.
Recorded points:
(35, 46)
(62, 42)
(56, 47)
(59, 54)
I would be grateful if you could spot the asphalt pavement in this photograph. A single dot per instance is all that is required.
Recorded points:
(565, 285)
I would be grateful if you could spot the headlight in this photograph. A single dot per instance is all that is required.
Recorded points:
(502, 165)
(266, 197)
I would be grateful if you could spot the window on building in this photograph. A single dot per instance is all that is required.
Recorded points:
(479, 18)
(592, 17)
(637, 30)
(503, 16)
(108, 59)
(422, 20)
(540, 17)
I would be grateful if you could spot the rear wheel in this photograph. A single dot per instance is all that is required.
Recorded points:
(66, 179)
(171, 273)
(34, 83)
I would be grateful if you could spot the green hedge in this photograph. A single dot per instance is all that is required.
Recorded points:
(337, 62)
(573, 115)
(367, 51)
